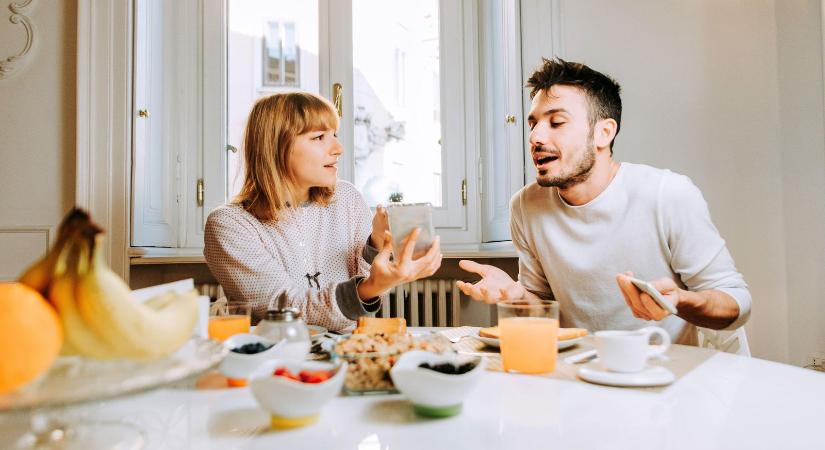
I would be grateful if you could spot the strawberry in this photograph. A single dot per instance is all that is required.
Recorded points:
(315, 376)
(284, 372)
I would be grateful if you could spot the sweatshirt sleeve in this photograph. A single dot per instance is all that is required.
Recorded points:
(697, 251)
(250, 272)
(530, 272)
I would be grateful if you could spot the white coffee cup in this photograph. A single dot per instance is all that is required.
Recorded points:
(628, 351)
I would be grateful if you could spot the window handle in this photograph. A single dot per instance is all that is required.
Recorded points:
(231, 148)
(338, 98)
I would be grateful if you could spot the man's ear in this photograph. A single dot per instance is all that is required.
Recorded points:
(604, 132)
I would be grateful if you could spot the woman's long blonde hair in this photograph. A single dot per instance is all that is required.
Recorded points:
(274, 122)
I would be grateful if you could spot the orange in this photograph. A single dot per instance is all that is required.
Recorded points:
(30, 335)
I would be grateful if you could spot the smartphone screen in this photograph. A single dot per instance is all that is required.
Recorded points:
(404, 218)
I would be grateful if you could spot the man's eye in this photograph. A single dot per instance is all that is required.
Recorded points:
(531, 125)
(557, 124)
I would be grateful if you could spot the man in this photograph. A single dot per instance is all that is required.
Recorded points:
(589, 222)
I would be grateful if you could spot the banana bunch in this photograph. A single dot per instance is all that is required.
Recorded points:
(100, 318)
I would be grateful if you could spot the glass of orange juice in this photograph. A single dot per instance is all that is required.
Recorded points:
(229, 320)
(529, 333)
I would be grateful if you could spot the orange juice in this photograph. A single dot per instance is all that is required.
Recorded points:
(528, 344)
(222, 327)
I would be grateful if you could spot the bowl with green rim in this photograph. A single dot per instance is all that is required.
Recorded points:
(433, 393)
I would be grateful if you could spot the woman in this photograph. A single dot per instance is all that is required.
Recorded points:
(294, 228)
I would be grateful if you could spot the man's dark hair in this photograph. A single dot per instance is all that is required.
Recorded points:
(602, 92)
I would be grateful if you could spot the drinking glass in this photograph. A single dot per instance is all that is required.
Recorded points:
(229, 320)
(529, 335)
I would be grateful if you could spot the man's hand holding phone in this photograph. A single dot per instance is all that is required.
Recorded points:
(653, 300)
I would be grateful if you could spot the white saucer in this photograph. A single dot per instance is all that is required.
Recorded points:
(594, 372)
(493, 342)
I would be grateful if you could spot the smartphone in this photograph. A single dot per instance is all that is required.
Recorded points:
(648, 288)
(406, 217)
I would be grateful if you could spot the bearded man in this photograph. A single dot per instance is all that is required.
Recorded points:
(589, 222)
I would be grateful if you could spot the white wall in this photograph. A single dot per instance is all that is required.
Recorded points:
(799, 42)
(37, 134)
(730, 94)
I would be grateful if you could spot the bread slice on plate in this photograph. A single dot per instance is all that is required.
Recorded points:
(388, 325)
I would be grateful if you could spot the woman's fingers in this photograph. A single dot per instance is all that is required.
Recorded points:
(408, 246)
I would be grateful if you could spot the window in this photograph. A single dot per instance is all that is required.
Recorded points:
(280, 55)
(418, 82)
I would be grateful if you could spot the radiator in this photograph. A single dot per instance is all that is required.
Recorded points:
(424, 303)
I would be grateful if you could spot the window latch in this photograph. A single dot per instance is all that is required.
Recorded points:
(464, 192)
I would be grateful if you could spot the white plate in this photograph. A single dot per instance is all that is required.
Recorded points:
(594, 372)
(493, 342)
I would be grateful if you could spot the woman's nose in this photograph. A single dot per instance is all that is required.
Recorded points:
(337, 149)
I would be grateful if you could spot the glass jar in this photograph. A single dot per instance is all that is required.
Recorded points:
(286, 323)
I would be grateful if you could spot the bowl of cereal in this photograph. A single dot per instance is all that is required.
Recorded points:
(371, 356)
(294, 391)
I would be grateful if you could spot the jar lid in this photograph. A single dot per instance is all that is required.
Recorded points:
(283, 315)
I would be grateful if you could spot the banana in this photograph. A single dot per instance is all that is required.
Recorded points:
(135, 330)
(39, 275)
(78, 337)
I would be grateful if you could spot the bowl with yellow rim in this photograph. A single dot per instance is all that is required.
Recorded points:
(293, 403)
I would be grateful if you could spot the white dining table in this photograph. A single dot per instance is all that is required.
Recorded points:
(718, 401)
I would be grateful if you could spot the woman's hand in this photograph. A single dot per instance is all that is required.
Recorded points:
(380, 225)
(385, 274)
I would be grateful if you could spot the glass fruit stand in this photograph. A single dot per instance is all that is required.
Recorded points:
(75, 380)
(118, 344)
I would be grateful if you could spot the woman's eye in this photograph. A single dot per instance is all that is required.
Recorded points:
(320, 137)
(556, 124)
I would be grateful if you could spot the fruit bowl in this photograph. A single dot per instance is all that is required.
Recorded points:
(432, 393)
(294, 403)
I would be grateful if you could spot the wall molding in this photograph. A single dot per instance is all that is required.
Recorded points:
(19, 16)
(11, 264)
(104, 120)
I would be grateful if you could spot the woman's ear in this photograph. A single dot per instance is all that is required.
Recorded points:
(604, 132)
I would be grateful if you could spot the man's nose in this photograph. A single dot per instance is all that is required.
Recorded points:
(538, 136)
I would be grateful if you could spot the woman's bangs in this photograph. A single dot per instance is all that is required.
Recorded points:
(319, 116)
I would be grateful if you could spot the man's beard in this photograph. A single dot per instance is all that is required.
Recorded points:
(579, 174)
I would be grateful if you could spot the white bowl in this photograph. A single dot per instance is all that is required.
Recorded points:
(238, 365)
(293, 403)
(433, 393)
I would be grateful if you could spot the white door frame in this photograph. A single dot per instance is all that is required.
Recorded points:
(104, 122)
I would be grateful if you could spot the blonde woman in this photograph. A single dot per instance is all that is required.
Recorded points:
(295, 228)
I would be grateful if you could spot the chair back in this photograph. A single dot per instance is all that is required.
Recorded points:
(735, 341)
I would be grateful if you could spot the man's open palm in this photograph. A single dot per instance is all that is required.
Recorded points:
(495, 285)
